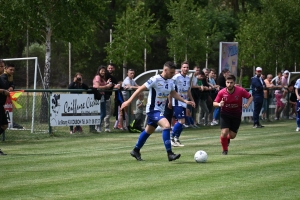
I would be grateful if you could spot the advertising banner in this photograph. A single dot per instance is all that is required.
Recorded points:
(8, 107)
(74, 109)
(228, 57)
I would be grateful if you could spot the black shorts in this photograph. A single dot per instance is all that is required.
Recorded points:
(3, 118)
(230, 122)
(168, 114)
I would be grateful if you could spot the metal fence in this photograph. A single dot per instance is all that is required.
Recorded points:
(33, 117)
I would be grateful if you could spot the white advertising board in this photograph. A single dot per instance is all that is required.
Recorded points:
(74, 109)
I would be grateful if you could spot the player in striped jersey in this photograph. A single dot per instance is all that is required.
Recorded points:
(159, 86)
(182, 87)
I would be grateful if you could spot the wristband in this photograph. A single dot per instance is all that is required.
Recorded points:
(219, 104)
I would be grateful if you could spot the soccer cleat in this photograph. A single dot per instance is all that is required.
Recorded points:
(225, 152)
(177, 141)
(2, 154)
(71, 132)
(258, 126)
(172, 156)
(136, 155)
(173, 143)
(297, 129)
(107, 130)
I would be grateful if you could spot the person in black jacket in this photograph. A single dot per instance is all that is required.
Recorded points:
(4, 93)
(77, 84)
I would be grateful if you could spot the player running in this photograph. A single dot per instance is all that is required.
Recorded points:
(230, 99)
(159, 86)
(182, 87)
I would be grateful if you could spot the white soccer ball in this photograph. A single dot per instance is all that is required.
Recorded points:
(200, 156)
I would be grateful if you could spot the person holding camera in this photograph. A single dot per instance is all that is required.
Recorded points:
(77, 84)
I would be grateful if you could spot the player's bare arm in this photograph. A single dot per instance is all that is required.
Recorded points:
(175, 95)
(248, 102)
(190, 95)
(135, 94)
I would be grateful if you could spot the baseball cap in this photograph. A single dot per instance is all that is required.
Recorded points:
(286, 72)
(258, 69)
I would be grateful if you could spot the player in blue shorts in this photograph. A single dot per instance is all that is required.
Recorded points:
(182, 87)
(159, 86)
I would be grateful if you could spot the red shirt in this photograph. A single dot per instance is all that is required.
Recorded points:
(233, 103)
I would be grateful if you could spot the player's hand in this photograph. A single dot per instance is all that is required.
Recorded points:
(245, 106)
(125, 105)
(192, 103)
(170, 105)
(222, 102)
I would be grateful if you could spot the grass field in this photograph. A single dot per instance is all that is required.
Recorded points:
(262, 164)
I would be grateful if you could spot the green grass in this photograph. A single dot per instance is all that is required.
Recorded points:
(262, 164)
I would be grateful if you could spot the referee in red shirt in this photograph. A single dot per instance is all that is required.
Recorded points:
(230, 99)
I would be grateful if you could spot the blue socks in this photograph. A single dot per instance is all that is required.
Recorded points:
(166, 139)
(142, 139)
(177, 129)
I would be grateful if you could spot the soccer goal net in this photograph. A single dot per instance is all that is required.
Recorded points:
(27, 75)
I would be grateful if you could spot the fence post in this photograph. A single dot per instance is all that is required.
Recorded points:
(268, 105)
(49, 112)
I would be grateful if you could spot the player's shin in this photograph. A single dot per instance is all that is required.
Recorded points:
(166, 139)
(142, 139)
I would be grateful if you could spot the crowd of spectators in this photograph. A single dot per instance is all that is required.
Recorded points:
(205, 85)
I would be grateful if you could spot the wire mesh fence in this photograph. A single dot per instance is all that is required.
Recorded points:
(34, 115)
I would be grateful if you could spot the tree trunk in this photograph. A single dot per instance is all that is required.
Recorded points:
(44, 114)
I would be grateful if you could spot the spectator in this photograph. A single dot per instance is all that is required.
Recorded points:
(257, 86)
(278, 95)
(284, 83)
(214, 91)
(203, 97)
(2, 66)
(128, 84)
(140, 107)
(114, 85)
(267, 95)
(77, 84)
(101, 82)
(195, 89)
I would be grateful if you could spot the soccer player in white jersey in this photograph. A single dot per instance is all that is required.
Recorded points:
(159, 86)
(297, 91)
(182, 87)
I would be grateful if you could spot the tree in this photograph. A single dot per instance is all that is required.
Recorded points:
(69, 20)
(187, 31)
(132, 33)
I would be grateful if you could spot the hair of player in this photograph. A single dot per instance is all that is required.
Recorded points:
(170, 65)
(230, 77)
(185, 62)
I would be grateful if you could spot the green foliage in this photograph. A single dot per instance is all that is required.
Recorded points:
(187, 31)
(132, 34)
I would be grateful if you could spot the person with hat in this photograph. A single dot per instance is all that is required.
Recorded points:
(257, 86)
